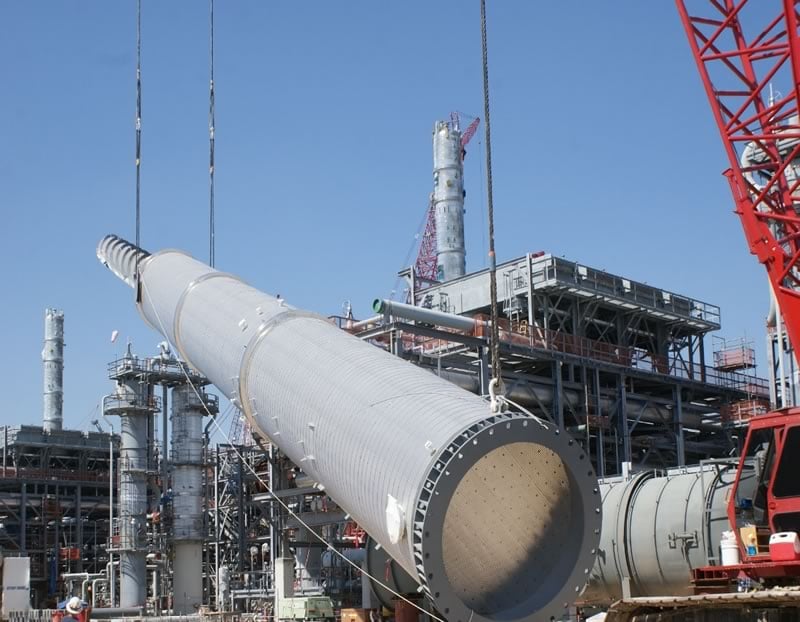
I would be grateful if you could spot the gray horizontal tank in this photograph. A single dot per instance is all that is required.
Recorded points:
(657, 529)
(496, 515)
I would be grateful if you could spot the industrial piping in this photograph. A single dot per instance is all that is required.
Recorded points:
(497, 515)
(527, 395)
(53, 362)
(421, 314)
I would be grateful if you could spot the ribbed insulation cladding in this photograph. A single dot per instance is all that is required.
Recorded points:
(121, 257)
(496, 515)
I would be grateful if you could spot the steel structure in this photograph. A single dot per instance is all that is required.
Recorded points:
(621, 364)
(159, 522)
(249, 532)
(54, 503)
(444, 442)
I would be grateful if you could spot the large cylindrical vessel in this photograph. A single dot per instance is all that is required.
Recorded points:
(657, 529)
(131, 403)
(496, 515)
(53, 361)
(188, 408)
(448, 201)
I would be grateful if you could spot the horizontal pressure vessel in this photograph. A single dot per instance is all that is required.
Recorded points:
(657, 529)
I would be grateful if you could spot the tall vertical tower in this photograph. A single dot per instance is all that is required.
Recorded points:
(188, 408)
(448, 200)
(132, 402)
(53, 360)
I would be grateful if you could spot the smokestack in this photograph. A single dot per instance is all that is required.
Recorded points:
(448, 201)
(53, 359)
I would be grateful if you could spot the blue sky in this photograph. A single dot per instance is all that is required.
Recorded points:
(604, 151)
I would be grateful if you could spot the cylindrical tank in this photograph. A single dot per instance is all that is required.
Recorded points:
(497, 515)
(657, 529)
(448, 201)
(130, 403)
(188, 409)
(53, 362)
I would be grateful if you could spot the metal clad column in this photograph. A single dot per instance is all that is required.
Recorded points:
(187, 460)
(53, 359)
(422, 465)
(131, 404)
(448, 201)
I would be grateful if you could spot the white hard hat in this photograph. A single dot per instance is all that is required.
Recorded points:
(74, 605)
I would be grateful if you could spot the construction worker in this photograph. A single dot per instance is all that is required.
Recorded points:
(75, 609)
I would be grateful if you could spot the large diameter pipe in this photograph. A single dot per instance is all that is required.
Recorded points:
(536, 395)
(53, 362)
(496, 515)
(656, 530)
(420, 314)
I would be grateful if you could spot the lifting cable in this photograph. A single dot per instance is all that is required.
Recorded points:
(496, 384)
(211, 124)
(138, 128)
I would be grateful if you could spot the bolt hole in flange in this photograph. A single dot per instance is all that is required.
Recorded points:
(516, 553)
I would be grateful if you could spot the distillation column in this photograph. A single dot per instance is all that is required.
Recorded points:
(53, 359)
(130, 402)
(448, 201)
(188, 409)
(422, 465)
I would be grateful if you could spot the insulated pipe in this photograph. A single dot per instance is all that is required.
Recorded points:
(420, 314)
(497, 515)
(532, 395)
(53, 361)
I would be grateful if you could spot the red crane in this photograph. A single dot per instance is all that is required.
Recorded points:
(425, 265)
(742, 48)
(760, 131)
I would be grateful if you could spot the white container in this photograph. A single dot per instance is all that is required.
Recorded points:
(729, 549)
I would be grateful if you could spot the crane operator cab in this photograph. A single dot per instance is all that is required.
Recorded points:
(766, 498)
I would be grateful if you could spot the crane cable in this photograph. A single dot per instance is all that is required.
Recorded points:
(496, 383)
(138, 128)
(211, 129)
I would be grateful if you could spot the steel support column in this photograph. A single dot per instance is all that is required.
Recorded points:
(680, 441)
(622, 421)
(558, 395)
